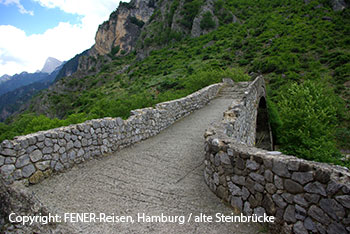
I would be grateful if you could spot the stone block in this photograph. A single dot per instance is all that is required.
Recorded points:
(318, 214)
(234, 190)
(7, 169)
(259, 187)
(309, 224)
(288, 197)
(10, 160)
(56, 148)
(269, 205)
(336, 228)
(37, 177)
(40, 137)
(270, 188)
(344, 200)
(240, 163)
(302, 177)
(289, 214)
(293, 165)
(245, 193)
(278, 182)
(316, 188)
(22, 161)
(48, 142)
(238, 180)
(322, 175)
(292, 186)
(28, 170)
(300, 213)
(222, 192)
(300, 200)
(259, 211)
(333, 209)
(36, 155)
(48, 150)
(247, 209)
(2, 160)
(299, 228)
(280, 169)
(257, 178)
(268, 176)
(312, 198)
(42, 165)
(252, 165)
(8, 152)
(333, 188)
(237, 203)
(17, 174)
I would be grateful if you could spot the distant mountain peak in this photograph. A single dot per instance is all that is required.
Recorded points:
(50, 65)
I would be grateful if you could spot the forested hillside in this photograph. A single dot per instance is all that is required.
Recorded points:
(301, 47)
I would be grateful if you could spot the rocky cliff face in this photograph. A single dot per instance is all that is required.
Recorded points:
(123, 27)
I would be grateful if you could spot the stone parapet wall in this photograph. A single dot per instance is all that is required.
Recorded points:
(34, 157)
(240, 119)
(304, 196)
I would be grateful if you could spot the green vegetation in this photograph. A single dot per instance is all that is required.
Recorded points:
(115, 50)
(159, 32)
(223, 14)
(309, 114)
(189, 12)
(207, 21)
(136, 21)
(303, 56)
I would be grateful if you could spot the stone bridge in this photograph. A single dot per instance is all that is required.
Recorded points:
(152, 164)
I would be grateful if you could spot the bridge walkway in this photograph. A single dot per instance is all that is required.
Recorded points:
(163, 174)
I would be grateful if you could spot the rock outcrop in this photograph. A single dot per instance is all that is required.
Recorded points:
(338, 5)
(123, 27)
(50, 65)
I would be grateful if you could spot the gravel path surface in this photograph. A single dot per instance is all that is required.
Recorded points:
(161, 175)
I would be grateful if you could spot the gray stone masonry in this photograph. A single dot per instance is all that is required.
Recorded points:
(34, 157)
(304, 196)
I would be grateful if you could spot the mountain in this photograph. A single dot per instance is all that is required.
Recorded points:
(135, 26)
(12, 101)
(4, 78)
(50, 65)
(71, 66)
(10, 83)
(19, 80)
(19, 89)
(153, 51)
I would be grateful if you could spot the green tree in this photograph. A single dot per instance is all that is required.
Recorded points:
(309, 116)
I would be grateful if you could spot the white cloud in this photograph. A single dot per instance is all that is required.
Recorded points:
(20, 52)
(20, 7)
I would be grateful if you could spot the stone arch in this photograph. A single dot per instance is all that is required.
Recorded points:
(263, 136)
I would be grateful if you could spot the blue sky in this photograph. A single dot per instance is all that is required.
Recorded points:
(32, 30)
(37, 20)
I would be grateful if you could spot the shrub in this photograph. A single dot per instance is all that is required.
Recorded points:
(115, 50)
(204, 78)
(309, 115)
(207, 21)
(189, 12)
(137, 22)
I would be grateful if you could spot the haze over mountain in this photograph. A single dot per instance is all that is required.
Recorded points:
(4, 78)
(11, 83)
(18, 89)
